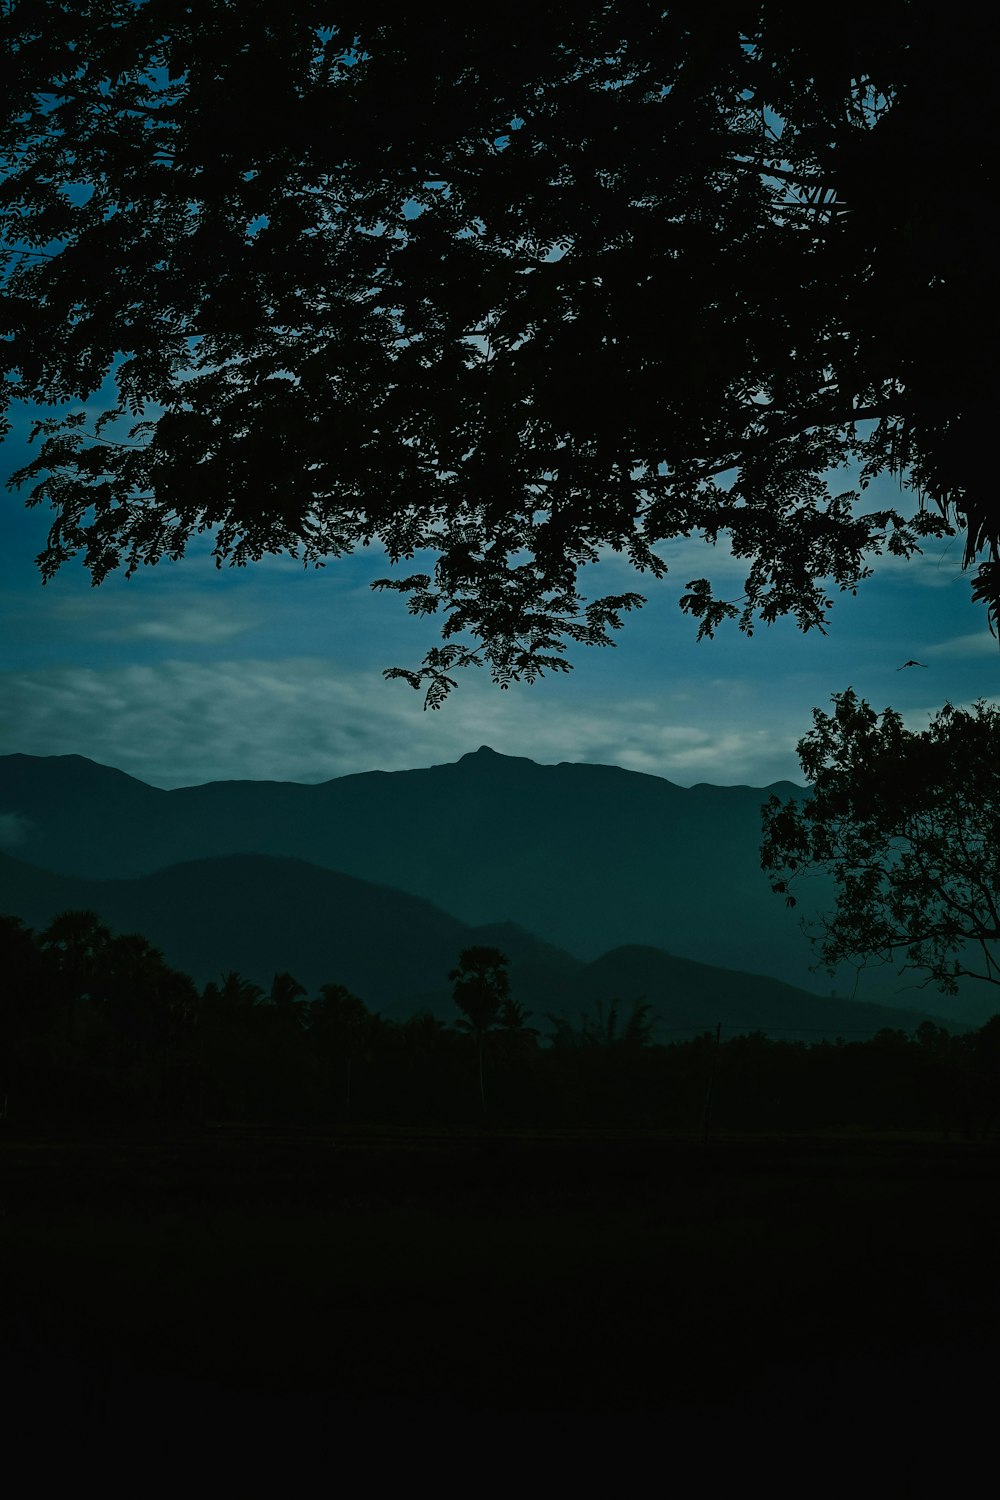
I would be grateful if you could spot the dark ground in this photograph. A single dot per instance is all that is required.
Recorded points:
(379, 1276)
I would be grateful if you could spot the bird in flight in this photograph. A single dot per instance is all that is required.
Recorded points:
(911, 663)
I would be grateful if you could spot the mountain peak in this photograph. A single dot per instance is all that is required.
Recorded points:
(488, 759)
(482, 756)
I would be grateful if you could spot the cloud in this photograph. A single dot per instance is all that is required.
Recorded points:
(201, 626)
(133, 615)
(978, 644)
(306, 719)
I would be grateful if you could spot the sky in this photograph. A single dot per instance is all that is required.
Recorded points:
(186, 674)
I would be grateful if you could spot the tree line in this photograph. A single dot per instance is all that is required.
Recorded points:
(98, 1028)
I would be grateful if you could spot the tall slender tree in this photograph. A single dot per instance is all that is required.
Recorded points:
(481, 987)
(343, 1024)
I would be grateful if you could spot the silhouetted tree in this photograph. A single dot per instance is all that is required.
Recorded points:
(145, 1029)
(481, 987)
(426, 1053)
(27, 997)
(423, 1033)
(602, 1028)
(511, 287)
(137, 1015)
(284, 996)
(235, 995)
(77, 941)
(602, 1055)
(140, 995)
(512, 1020)
(986, 1061)
(908, 826)
(343, 1024)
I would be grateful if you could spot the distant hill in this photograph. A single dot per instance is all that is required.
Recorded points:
(260, 914)
(692, 997)
(590, 857)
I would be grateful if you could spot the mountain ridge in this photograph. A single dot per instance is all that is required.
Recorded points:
(589, 858)
(483, 755)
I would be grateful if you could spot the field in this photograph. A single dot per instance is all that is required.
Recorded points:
(352, 1273)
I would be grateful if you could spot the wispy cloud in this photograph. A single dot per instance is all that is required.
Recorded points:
(131, 614)
(978, 644)
(192, 626)
(305, 719)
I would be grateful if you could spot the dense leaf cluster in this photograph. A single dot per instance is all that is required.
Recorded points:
(908, 826)
(513, 287)
(94, 1027)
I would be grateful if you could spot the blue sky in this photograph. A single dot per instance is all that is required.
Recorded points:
(186, 674)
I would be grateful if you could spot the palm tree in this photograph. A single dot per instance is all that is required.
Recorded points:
(78, 942)
(603, 1029)
(345, 1024)
(236, 993)
(285, 994)
(481, 991)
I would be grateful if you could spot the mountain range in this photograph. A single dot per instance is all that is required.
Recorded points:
(596, 881)
(588, 856)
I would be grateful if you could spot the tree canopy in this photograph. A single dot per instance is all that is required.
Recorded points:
(908, 825)
(481, 987)
(513, 288)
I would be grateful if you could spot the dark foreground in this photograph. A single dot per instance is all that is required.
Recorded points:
(332, 1275)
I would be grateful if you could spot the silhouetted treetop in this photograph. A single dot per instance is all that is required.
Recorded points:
(481, 988)
(509, 286)
(908, 825)
(481, 991)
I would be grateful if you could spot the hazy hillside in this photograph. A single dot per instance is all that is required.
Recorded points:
(590, 857)
(688, 996)
(259, 914)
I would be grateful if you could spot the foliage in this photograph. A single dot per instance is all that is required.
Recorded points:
(344, 1026)
(223, 1055)
(235, 995)
(481, 987)
(908, 825)
(602, 1028)
(482, 993)
(341, 1019)
(284, 995)
(27, 993)
(511, 289)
